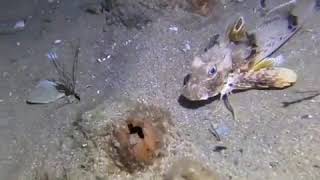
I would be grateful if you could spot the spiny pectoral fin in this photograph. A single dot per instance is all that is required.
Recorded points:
(284, 77)
(258, 65)
(266, 63)
(274, 77)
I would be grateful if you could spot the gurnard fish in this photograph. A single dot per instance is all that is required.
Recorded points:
(243, 60)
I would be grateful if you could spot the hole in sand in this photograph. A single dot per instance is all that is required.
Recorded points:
(136, 130)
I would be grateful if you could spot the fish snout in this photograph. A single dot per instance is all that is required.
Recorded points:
(195, 93)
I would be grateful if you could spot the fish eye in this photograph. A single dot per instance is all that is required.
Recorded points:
(212, 71)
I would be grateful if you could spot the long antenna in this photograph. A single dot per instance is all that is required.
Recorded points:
(75, 63)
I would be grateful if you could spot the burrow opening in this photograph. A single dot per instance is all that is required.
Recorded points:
(136, 130)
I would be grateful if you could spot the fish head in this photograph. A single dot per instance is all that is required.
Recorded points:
(209, 72)
(207, 77)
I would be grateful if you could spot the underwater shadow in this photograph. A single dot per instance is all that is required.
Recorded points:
(186, 103)
(310, 97)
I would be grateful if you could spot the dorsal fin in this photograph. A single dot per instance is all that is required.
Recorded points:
(237, 32)
(280, 25)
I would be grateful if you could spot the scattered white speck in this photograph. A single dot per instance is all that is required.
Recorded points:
(10, 93)
(18, 43)
(114, 45)
(100, 60)
(19, 24)
(187, 47)
(173, 28)
(1, 100)
(98, 92)
(58, 41)
(307, 116)
(84, 145)
(128, 42)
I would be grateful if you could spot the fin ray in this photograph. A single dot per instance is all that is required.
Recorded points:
(267, 63)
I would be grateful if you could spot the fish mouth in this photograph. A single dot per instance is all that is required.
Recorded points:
(198, 94)
(204, 97)
(195, 99)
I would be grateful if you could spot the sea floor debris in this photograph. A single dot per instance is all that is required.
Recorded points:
(47, 91)
(187, 169)
(121, 139)
(139, 139)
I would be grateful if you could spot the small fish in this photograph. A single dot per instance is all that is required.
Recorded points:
(242, 60)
